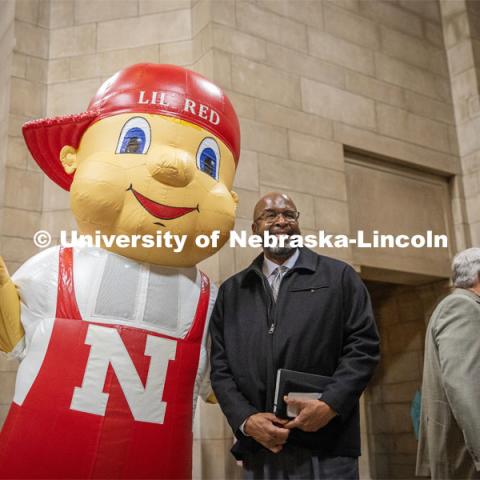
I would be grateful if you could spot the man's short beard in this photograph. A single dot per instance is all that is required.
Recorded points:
(281, 251)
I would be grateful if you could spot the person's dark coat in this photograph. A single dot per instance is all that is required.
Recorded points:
(322, 324)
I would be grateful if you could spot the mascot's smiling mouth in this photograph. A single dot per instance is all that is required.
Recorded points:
(164, 212)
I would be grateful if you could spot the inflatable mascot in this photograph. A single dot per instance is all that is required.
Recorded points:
(112, 340)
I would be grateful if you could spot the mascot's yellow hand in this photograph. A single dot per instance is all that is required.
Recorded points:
(4, 276)
(11, 330)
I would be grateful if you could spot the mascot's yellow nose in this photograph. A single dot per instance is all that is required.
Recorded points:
(172, 166)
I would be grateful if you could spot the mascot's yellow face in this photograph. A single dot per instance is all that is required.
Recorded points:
(138, 174)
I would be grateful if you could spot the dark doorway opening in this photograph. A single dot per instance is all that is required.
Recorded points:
(402, 313)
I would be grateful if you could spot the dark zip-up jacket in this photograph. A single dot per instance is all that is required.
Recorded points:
(322, 323)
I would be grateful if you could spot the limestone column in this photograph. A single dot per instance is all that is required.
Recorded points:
(7, 41)
(461, 28)
(24, 53)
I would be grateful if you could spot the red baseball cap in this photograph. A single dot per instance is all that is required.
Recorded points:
(143, 88)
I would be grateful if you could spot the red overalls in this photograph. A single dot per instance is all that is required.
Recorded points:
(45, 438)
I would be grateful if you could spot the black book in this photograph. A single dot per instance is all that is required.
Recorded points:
(291, 381)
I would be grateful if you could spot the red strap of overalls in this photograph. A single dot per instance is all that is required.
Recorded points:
(66, 301)
(196, 332)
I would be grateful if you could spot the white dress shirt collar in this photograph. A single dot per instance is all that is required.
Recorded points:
(268, 266)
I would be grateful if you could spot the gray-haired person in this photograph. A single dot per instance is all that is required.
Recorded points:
(449, 441)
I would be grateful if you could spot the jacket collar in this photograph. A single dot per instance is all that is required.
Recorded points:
(468, 293)
(307, 260)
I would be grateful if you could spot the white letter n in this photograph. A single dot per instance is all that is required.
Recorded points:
(108, 348)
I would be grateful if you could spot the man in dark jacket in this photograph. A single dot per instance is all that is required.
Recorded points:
(293, 309)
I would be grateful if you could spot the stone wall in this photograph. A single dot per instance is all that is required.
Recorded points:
(309, 79)
(7, 16)
(23, 180)
(24, 54)
(7, 39)
(461, 22)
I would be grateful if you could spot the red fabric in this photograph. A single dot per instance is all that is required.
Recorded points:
(46, 137)
(44, 438)
(122, 93)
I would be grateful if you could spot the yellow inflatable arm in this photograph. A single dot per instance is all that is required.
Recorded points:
(11, 330)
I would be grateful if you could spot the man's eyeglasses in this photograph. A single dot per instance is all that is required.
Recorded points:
(269, 216)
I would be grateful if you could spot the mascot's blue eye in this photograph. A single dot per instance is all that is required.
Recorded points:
(135, 136)
(208, 162)
(134, 141)
(208, 157)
